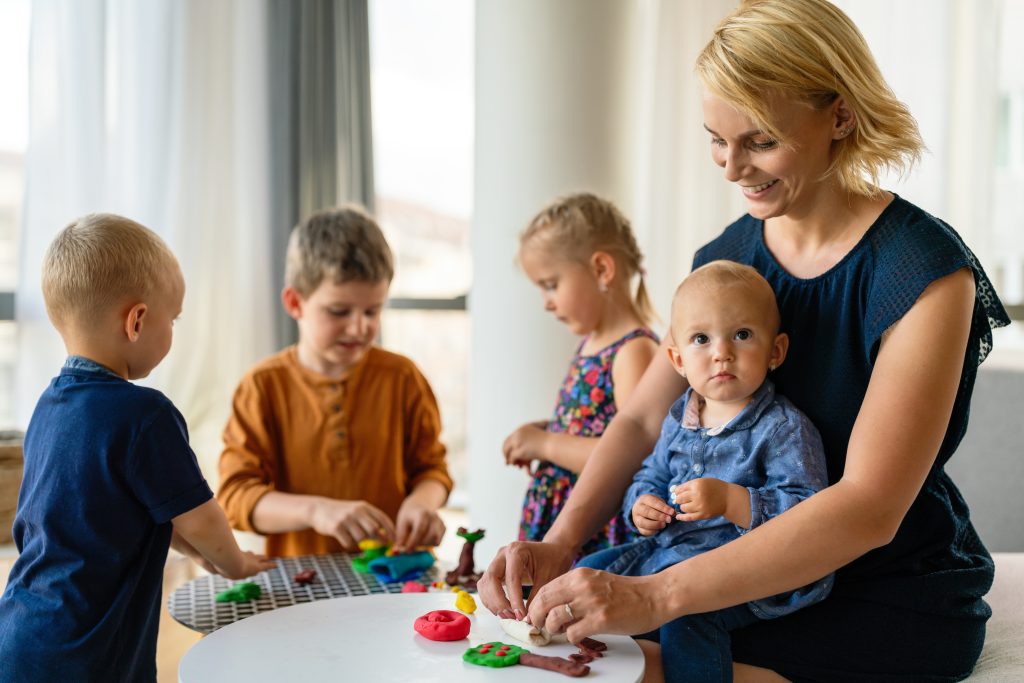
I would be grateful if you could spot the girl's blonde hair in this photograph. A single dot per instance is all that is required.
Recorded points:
(811, 51)
(577, 225)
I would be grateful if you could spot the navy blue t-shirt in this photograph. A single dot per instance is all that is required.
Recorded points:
(936, 563)
(107, 466)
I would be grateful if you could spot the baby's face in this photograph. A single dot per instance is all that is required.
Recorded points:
(725, 341)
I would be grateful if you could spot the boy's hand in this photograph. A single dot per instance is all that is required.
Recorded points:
(525, 445)
(709, 497)
(350, 521)
(651, 514)
(417, 525)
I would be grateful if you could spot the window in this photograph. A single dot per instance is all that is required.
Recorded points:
(14, 32)
(421, 57)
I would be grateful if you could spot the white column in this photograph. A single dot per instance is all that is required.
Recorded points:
(552, 109)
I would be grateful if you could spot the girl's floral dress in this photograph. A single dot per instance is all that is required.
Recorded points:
(586, 404)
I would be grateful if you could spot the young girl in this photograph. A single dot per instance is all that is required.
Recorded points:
(582, 254)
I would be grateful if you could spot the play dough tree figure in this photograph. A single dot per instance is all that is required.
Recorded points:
(465, 574)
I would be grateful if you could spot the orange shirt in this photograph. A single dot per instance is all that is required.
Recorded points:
(372, 435)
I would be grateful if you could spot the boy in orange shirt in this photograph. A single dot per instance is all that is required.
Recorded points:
(334, 440)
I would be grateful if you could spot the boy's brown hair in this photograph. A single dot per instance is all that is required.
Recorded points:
(96, 262)
(344, 244)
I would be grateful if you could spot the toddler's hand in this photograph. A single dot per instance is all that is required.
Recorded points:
(251, 564)
(351, 521)
(700, 498)
(651, 514)
(525, 445)
(417, 525)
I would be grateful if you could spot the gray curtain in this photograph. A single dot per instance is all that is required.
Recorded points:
(320, 107)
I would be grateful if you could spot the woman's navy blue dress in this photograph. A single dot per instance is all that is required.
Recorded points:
(913, 609)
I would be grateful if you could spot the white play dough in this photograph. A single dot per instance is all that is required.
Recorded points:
(527, 633)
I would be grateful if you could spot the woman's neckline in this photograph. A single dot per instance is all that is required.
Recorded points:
(890, 207)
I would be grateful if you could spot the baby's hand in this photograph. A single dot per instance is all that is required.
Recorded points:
(525, 445)
(350, 521)
(417, 525)
(700, 498)
(651, 514)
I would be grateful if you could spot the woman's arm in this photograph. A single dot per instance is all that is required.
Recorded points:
(915, 377)
(596, 495)
(620, 452)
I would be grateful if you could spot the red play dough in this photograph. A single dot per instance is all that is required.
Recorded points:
(442, 624)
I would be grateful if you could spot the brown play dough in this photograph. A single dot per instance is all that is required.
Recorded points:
(556, 664)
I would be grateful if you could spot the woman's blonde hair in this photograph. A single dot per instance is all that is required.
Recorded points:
(811, 51)
(98, 261)
(577, 225)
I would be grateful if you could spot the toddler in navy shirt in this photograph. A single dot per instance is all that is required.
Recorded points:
(110, 480)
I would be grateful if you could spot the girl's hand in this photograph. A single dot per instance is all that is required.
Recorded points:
(599, 602)
(651, 514)
(417, 525)
(520, 562)
(350, 521)
(525, 444)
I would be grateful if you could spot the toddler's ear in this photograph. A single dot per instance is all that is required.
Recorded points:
(133, 321)
(292, 301)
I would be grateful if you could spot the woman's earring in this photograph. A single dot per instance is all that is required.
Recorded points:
(602, 287)
(846, 131)
(771, 367)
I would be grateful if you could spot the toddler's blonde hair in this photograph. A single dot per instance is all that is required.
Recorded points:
(811, 51)
(344, 244)
(99, 261)
(577, 225)
(712, 277)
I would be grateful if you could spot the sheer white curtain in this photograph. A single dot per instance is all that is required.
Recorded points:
(158, 111)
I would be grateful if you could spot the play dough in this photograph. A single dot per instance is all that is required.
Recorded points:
(442, 624)
(527, 633)
(240, 592)
(494, 654)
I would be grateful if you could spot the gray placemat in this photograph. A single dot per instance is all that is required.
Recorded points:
(194, 604)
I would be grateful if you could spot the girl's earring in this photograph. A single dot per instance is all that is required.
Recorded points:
(602, 287)
(771, 367)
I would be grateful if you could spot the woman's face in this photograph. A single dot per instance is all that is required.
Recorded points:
(776, 179)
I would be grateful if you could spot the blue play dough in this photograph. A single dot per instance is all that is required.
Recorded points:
(405, 567)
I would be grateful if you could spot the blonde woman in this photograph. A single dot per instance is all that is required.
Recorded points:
(890, 315)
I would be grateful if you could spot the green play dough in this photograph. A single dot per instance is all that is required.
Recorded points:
(362, 563)
(240, 592)
(474, 656)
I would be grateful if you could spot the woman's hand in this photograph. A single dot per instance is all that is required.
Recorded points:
(598, 602)
(529, 562)
(525, 444)
(651, 514)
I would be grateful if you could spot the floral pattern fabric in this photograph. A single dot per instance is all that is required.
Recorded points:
(586, 404)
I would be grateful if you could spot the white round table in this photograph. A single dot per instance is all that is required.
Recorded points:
(371, 638)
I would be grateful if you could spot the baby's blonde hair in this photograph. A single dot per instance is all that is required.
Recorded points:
(344, 244)
(811, 51)
(714, 276)
(577, 225)
(99, 261)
